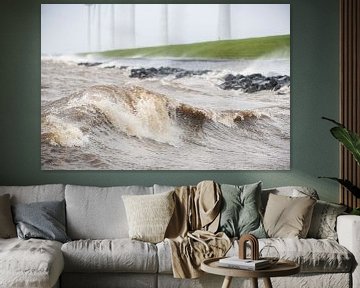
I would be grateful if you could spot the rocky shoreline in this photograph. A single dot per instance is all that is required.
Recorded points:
(164, 71)
(254, 82)
(246, 83)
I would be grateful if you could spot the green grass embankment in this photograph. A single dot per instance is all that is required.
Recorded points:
(222, 49)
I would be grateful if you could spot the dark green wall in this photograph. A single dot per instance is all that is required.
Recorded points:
(314, 93)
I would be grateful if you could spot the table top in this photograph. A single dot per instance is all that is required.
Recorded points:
(281, 268)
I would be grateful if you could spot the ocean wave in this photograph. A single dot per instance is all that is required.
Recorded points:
(132, 112)
(58, 132)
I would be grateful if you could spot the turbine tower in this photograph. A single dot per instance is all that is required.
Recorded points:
(132, 26)
(224, 22)
(88, 26)
(99, 27)
(112, 25)
(164, 22)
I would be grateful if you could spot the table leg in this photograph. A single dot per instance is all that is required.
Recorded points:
(267, 283)
(254, 282)
(227, 282)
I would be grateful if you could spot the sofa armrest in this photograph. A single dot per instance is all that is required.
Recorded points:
(348, 230)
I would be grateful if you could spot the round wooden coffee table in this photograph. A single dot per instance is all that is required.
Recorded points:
(281, 268)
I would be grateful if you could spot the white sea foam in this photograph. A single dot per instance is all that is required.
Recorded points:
(57, 132)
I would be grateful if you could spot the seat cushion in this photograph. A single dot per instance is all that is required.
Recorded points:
(98, 213)
(313, 255)
(117, 255)
(30, 263)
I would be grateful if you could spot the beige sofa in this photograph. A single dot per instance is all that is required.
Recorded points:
(101, 254)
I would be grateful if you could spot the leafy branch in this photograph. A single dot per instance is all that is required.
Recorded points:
(351, 141)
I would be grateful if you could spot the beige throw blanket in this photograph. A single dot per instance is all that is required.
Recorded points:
(191, 231)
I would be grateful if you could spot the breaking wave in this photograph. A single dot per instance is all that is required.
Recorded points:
(130, 112)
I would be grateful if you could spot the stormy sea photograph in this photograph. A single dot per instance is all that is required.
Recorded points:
(165, 86)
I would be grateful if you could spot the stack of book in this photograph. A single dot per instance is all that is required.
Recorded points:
(248, 264)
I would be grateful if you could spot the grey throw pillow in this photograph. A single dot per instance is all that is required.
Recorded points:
(7, 227)
(44, 220)
(240, 213)
(323, 222)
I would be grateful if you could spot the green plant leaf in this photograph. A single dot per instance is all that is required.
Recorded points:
(347, 184)
(348, 138)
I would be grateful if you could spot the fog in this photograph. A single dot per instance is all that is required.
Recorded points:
(73, 28)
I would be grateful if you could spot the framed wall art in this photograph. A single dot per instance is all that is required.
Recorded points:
(165, 87)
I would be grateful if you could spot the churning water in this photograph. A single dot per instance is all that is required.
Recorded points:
(97, 117)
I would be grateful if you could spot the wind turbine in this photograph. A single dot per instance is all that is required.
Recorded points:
(224, 22)
(112, 19)
(132, 26)
(89, 26)
(164, 20)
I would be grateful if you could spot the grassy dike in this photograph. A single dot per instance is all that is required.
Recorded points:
(225, 49)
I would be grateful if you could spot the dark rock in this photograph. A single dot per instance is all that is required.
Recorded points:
(88, 64)
(164, 71)
(254, 82)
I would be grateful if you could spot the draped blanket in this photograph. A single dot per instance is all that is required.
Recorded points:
(191, 231)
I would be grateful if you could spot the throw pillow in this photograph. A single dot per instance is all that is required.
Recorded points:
(323, 222)
(288, 217)
(7, 227)
(149, 215)
(240, 213)
(43, 220)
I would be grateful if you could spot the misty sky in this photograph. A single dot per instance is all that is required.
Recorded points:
(65, 29)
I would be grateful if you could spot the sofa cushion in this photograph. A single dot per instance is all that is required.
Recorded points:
(117, 255)
(36, 193)
(287, 216)
(149, 215)
(240, 210)
(313, 255)
(30, 263)
(98, 213)
(291, 191)
(43, 220)
(323, 222)
(7, 226)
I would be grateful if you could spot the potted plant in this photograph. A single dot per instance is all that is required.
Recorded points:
(351, 141)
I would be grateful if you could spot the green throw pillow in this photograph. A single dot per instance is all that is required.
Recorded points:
(240, 213)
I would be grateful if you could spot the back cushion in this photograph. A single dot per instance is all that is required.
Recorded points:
(98, 213)
(162, 188)
(291, 191)
(36, 193)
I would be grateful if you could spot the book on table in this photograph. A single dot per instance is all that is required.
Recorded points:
(249, 264)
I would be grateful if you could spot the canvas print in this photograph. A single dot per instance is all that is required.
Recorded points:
(165, 86)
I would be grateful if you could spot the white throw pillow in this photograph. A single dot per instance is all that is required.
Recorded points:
(149, 215)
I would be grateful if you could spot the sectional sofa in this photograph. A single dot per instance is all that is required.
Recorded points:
(100, 253)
